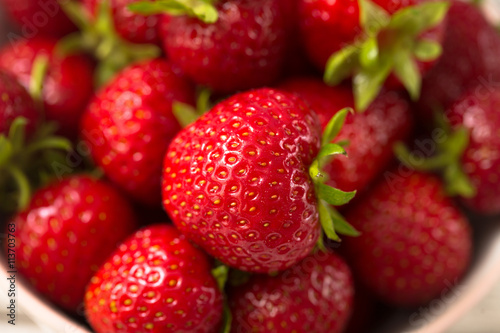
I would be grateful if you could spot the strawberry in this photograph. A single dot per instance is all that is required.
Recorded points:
(414, 243)
(39, 17)
(243, 181)
(64, 97)
(387, 120)
(235, 45)
(130, 26)
(15, 102)
(156, 281)
(471, 53)
(129, 125)
(66, 232)
(314, 296)
(370, 40)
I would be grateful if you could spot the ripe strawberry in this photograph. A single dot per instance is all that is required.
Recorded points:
(372, 40)
(66, 232)
(244, 49)
(414, 241)
(387, 121)
(314, 296)
(39, 17)
(15, 102)
(67, 86)
(130, 124)
(471, 57)
(156, 281)
(133, 27)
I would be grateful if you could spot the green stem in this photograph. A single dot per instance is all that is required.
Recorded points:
(23, 186)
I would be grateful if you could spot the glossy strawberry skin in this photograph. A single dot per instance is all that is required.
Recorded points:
(371, 134)
(133, 27)
(236, 182)
(471, 57)
(481, 160)
(414, 242)
(156, 281)
(66, 233)
(39, 17)
(129, 125)
(68, 84)
(15, 102)
(244, 49)
(316, 295)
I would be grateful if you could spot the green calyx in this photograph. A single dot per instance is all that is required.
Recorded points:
(99, 37)
(390, 44)
(449, 150)
(187, 114)
(331, 221)
(203, 10)
(25, 164)
(38, 73)
(221, 274)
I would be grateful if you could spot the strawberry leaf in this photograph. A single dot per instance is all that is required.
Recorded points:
(341, 64)
(426, 50)
(332, 195)
(5, 150)
(334, 126)
(368, 56)
(227, 319)
(38, 73)
(373, 18)
(326, 221)
(457, 182)
(341, 225)
(23, 186)
(17, 133)
(414, 20)
(406, 70)
(184, 113)
(368, 83)
(201, 9)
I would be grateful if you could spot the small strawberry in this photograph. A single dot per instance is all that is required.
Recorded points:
(370, 40)
(316, 296)
(471, 57)
(130, 124)
(39, 17)
(133, 27)
(244, 180)
(156, 281)
(414, 241)
(66, 232)
(240, 44)
(67, 86)
(371, 135)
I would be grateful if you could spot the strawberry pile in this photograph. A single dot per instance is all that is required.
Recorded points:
(312, 158)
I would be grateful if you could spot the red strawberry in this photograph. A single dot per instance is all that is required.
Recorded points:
(15, 102)
(39, 17)
(156, 282)
(245, 48)
(314, 296)
(471, 57)
(130, 124)
(67, 86)
(236, 181)
(371, 134)
(133, 27)
(66, 232)
(371, 40)
(414, 242)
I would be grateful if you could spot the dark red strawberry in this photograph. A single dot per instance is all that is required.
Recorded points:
(66, 232)
(39, 17)
(244, 48)
(133, 27)
(373, 41)
(68, 83)
(414, 243)
(314, 296)
(155, 282)
(130, 124)
(471, 57)
(371, 134)
(15, 102)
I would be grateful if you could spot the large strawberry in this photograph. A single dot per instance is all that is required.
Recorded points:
(155, 282)
(414, 243)
(243, 181)
(66, 232)
(371, 135)
(67, 86)
(240, 44)
(372, 39)
(316, 296)
(471, 57)
(39, 17)
(130, 124)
